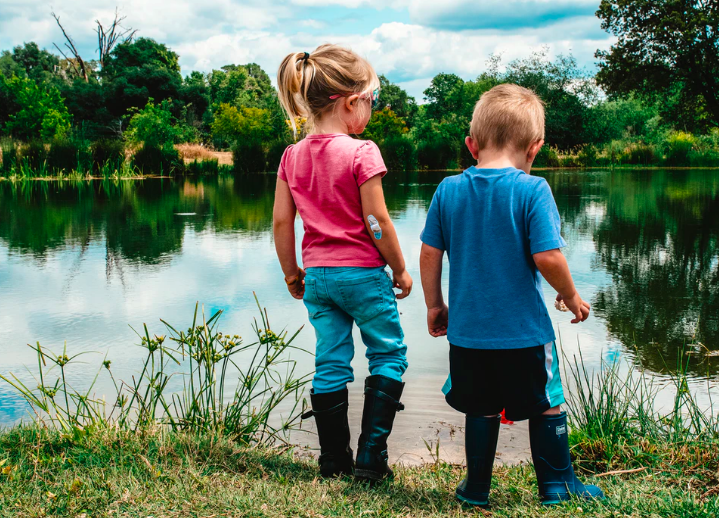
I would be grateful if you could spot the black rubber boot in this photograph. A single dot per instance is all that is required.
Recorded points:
(550, 452)
(480, 443)
(381, 404)
(330, 413)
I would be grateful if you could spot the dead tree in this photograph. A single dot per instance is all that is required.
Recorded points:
(108, 38)
(78, 64)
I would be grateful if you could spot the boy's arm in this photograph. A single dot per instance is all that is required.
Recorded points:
(430, 267)
(373, 204)
(283, 226)
(554, 268)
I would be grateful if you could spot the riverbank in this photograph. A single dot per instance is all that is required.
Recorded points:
(106, 472)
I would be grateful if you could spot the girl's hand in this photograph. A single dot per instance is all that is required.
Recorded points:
(437, 320)
(296, 284)
(402, 281)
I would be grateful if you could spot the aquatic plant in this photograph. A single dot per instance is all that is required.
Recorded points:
(205, 359)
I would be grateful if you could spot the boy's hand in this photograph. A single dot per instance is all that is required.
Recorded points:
(296, 284)
(576, 305)
(402, 281)
(437, 320)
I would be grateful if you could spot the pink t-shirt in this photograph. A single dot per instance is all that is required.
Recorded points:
(324, 173)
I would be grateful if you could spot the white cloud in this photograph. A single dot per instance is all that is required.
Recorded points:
(219, 32)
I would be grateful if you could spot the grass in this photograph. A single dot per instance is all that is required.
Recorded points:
(202, 452)
(167, 474)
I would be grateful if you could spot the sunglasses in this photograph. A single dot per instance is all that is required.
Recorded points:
(373, 96)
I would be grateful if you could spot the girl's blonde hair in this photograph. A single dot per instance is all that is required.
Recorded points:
(307, 81)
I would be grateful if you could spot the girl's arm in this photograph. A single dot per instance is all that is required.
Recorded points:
(283, 225)
(373, 204)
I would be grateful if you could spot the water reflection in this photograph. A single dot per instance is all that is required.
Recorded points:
(644, 244)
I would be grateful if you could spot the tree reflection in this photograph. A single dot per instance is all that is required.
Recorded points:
(658, 241)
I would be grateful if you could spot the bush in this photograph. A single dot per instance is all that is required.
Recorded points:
(203, 167)
(399, 153)
(158, 160)
(68, 155)
(436, 154)
(274, 154)
(639, 153)
(8, 155)
(547, 157)
(587, 156)
(248, 157)
(33, 155)
(678, 147)
(107, 152)
(704, 158)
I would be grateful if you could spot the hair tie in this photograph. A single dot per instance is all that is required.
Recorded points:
(305, 57)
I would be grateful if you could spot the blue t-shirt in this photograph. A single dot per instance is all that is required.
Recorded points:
(490, 222)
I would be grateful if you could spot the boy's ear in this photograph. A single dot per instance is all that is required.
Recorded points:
(472, 146)
(533, 150)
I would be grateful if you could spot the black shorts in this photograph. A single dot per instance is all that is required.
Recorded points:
(523, 382)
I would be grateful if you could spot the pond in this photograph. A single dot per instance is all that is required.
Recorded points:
(82, 262)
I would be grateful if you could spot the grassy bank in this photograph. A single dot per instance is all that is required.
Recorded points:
(114, 473)
(201, 449)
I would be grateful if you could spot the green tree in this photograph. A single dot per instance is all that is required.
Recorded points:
(29, 60)
(196, 97)
(663, 47)
(248, 124)
(41, 112)
(396, 99)
(154, 125)
(383, 124)
(138, 71)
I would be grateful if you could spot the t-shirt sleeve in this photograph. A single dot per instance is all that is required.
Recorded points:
(368, 162)
(543, 222)
(432, 234)
(281, 172)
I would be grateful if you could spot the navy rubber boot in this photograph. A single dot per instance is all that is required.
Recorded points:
(330, 413)
(381, 404)
(480, 443)
(550, 452)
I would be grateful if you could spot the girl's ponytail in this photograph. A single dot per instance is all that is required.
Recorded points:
(307, 81)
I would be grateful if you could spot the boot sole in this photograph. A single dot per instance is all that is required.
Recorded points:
(367, 474)
(476, 503)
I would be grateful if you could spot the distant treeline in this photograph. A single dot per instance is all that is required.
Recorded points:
(133, 105)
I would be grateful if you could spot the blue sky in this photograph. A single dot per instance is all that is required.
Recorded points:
(409, 41)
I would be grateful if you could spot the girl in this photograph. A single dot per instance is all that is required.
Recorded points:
(335, 183)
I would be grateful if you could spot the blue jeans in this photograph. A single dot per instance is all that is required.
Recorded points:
(335, 299)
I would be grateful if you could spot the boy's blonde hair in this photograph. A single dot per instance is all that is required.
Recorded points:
(307, 81)
(508, 116)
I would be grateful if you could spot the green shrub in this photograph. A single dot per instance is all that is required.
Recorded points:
(9, 155)
(110, 152)
(547, 157)
(587, 156)
(33, 155)
(248, 157)
(639, 153)
(399, 153)
(203, 167)
(158, 160)
(678, 148)
(704, 157)
(68, 155)
(274, 154)
(436, 154)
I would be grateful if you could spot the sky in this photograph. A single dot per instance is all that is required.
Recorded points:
(408, 41)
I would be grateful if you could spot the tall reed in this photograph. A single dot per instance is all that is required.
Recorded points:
(206, 360)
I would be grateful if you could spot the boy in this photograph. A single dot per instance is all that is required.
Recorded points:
(500, 228)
